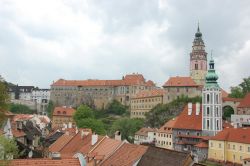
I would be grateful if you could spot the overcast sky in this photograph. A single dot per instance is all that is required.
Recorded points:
(44, 40)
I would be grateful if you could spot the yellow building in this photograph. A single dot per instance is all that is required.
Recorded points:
(144, 101)
(164, 136)
(63, 116)
(231, 145)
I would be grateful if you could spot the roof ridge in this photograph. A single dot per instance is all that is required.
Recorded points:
(98, 143)
(70, 140)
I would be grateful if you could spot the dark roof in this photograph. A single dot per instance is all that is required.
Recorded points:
(159, 156)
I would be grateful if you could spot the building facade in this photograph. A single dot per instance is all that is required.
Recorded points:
(230, 145)
(98, 93)
(211, 103)
(198, 59)
(41, 98)
(176, 87)
(145, 136)
(144, 101)
(63, 117)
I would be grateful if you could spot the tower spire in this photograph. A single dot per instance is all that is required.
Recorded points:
(198, 29)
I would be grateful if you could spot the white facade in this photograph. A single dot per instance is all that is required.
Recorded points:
(40, 95)
(150, 137)
(240, 120)
(211, 110)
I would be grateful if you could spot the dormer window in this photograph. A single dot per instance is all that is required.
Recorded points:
(58, 112)
(64, 112)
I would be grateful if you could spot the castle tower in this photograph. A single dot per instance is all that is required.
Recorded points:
(198, 59)
(211, 103)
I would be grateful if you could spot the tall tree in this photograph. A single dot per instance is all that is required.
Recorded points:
(115, 107)
(127, 127)
(8, 148)
(241, 90)
(50, 108)
(4, 98)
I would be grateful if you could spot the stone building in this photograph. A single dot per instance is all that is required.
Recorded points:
(144, 101)
(98, 93)
(198, 59)
(164, 136)
(177, 86)
(63, 117)
(145, 136)
(244, 106)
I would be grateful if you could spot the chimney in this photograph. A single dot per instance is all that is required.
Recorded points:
(189, 108)
(118, 136)
(94, 139)
(198, 108)
(84, 133)
(56, 156)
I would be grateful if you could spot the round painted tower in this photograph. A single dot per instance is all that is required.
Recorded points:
(198, 59)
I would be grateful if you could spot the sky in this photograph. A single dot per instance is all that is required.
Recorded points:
(42, 41)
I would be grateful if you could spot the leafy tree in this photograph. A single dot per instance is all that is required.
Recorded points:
(4, 97)
(84, 118)
(20, 109)
(227, 112)
(83, 112)
(50, 108)
(8, 148)
(241, 90)
(115, 107)
(127, 127)
(96, 125)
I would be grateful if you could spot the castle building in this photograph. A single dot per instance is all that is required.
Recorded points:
(198, 59)
(211, 103)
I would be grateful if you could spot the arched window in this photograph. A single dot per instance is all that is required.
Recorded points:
(217, 124)
(207, 124)
(208, 111)
(196, 66)
(208, 99)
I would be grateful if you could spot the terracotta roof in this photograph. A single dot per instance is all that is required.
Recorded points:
(131, 79)
(191, 122)
(202, 145)
(17, 133)
(224, 93)
(150, 93)
(167, 127)
(159, 156)
(240, 135)
(245, 102)
(180, 81)
(144, 131)
(150, 83)
(226, 124)
(126, 155)
(45, 162)
(63, 111)
(60, 143)
(22, 117)
(76, 143)
(231, 99)
(247, 159)
(106, 147)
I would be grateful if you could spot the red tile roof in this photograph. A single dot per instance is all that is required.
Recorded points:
(226, 124)
(60, 143)
(45, 162)
(126, 155)
(239, 135)
(202, 145)
(18, 133)
(63, 111)
(167, 127)
(106, 147)
(191, 122)
(245, 102)
(22, 117)
(180, 82)
(231, 99)
(144, 131)
(131, 79)
(150, 93)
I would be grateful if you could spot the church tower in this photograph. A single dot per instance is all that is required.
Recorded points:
(198, 59)
(211, 103)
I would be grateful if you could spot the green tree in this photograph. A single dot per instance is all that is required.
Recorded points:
(115, 107)
(50, 108)
(227, 112)
(127, 127)
(95, 125)
(241, 90)
(20, 109)
(8, 148)
(4, 98)
(84, 118)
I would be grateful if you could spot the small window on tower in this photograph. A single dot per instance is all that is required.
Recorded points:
(196, 66)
